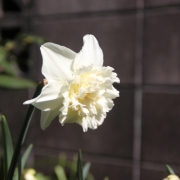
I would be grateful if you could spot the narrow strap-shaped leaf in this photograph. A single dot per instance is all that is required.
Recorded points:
(72, 165)
(7, 81)
(60, 173)
(169, 170)
(25, 156)
(62, 160)
(86, 168)
(15, 177)
(79, 167)
(23, 134)
(7, 144)
(19, 168)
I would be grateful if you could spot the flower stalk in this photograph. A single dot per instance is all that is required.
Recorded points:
(23, 132)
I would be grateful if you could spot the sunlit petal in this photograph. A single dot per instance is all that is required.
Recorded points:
(49, 98)
(91, 54)
(57, 61)
(47, 117)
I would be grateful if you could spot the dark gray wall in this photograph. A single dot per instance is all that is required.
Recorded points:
(141, 40)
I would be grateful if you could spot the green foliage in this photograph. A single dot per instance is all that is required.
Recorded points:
(6, 156)
(60, 172)
(15, 82)
(25, 156)
(86, 169)
(41, 176)
(14, 60)
(169, 169)
(79, 167)
(7, 145)
(65, 169)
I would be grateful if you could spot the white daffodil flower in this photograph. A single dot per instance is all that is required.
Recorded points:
(79, 87)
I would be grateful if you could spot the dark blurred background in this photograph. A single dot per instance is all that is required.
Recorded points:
(141, 40)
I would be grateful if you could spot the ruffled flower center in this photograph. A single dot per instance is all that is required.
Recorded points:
(85, 90)
(89, 95)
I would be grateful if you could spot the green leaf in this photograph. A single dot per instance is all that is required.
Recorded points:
(25, 156)
(22, 161)
(79, 166)
(60, 173)
(72, 165)
(62, 160)
(15, 83)
(34, 39)
(15, 177)
(3, 54)
(169, 169)
(8, 146)
(86, 169)
(8, 67)
(41, 176)
(10, 45)
(90, 177)
(30, 39)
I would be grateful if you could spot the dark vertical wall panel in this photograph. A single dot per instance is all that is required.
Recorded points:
(162, 44)
(160, 128)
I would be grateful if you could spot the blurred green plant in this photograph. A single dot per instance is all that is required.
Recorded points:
(65, 169)
(169, 170)
(14, 60)
(7, 151)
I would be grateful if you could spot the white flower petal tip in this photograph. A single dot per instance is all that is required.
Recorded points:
(80, 89)
(91, 54)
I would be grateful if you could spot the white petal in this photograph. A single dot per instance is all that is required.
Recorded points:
(84, 124)
(49, 98)
(47, 117)
(111, 93)
(71, 117)
(49, 105)
(56, 61)
(91, 54)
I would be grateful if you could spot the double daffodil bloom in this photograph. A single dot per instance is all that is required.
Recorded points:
(79, 87)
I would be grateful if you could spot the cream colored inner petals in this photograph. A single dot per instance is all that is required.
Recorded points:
(88, 97)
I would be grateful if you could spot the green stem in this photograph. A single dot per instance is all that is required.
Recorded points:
(23, 134)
